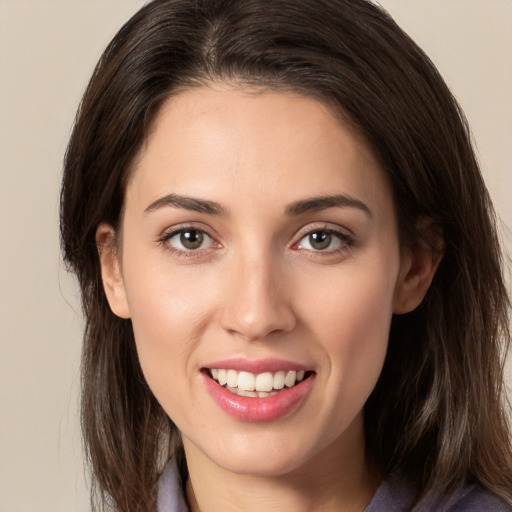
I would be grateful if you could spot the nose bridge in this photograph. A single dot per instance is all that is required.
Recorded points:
(257, 301)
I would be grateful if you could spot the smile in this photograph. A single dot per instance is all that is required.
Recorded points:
(261, 385)
(272, 390)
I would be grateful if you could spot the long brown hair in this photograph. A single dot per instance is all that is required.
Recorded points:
(438, 410)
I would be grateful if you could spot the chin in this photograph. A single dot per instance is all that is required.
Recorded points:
(264, 455)
(263, 465)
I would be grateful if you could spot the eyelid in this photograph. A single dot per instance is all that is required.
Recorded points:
(172, 231)
(192, 225)
(345, 235)
(324, 226)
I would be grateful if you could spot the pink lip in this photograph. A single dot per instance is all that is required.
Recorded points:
(256, 366)
(258, 409)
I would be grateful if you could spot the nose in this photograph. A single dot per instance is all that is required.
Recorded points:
(256, 300)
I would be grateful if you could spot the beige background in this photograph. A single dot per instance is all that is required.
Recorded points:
(48, 50)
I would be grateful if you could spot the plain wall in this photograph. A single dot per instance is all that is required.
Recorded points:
(48, 50)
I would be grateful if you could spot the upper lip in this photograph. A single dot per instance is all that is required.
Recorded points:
(257, 366)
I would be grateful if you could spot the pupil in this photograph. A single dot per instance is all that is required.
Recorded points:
(320, 240)
(191, 239)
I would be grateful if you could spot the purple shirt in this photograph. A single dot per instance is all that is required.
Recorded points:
(393, 495)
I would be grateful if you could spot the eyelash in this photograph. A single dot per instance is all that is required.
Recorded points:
(164, 240)
(345, 241)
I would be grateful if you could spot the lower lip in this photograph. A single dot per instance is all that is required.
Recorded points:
(255, 409)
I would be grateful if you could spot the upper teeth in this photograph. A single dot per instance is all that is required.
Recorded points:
(247, 381)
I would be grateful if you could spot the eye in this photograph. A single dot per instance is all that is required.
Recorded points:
(318, 241)
(187, 240)
(324, 240)
(191, 239)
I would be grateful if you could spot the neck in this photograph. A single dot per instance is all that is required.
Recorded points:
(336, 479)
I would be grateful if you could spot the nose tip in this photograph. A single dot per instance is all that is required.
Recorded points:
(255, 325)
(257, 304)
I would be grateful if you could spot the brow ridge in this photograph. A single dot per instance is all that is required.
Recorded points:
(187, 203)
(324, 202)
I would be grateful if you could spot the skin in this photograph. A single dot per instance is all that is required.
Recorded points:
(258, 288)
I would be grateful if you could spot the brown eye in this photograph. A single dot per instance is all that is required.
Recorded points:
(189, 242)
(326, 241)
(320, 240)
(191, 239)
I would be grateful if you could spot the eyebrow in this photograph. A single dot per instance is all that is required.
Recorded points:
(297, 208)
(323, 202)
(187, 203)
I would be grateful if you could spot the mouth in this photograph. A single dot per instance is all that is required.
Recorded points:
(260, 385)
(258, 390)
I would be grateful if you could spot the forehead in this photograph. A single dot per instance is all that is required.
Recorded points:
(223, 141)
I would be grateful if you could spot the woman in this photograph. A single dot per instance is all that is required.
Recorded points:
(289, 266)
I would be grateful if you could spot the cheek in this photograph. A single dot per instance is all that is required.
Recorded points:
(350, 319)
(358, 298)
(169, 312)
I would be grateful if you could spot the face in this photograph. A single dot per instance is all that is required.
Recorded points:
(259, 247)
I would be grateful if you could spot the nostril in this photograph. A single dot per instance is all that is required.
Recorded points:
(256, 307)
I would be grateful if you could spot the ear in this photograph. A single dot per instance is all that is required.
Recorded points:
(418, 267)
(111, 274)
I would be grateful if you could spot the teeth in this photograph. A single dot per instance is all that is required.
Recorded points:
(290, 379)
(246, 381)
(232, 378)
(261, 385)
(279, 380)
(242, 392)
(264, 382)
(253, 394)
(222, 377)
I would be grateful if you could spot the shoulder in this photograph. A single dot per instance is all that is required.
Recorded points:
(171, 497)
(393, 495)
(396, 494)
(469, 499)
